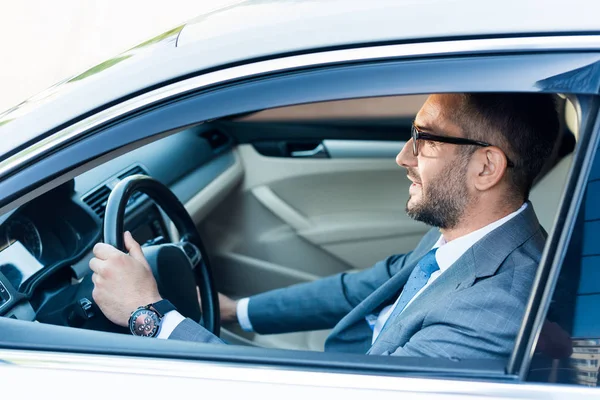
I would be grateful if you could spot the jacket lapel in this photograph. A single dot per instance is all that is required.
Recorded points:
(491, 251)
(461, 275)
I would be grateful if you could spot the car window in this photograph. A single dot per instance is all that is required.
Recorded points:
(568, 349)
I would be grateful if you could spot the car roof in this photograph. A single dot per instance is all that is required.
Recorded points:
(310, 24)
(259, 29)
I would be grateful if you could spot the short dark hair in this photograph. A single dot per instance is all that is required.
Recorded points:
(524, 125)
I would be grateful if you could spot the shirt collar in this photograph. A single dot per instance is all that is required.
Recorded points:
(449, 252)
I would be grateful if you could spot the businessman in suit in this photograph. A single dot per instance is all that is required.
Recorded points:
(461, 293)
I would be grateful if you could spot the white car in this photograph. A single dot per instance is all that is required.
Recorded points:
(275, 124)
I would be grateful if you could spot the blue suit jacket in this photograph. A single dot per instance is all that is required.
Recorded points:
(473, 310)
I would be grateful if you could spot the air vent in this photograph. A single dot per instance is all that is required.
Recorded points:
(133, 171)
(97, 200)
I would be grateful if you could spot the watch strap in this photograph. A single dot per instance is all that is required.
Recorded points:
(162, 307)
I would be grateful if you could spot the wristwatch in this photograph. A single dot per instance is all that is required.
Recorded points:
(146, 320)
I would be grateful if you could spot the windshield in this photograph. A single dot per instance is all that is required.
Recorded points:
(166, 39)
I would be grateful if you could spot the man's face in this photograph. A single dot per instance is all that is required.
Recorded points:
(439, 193)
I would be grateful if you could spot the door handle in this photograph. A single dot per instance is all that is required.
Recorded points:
(363, 148)
(318, 152)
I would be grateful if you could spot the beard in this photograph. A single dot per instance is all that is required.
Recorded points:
(444, 202)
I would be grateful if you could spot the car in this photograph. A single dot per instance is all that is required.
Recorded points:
(252, 148)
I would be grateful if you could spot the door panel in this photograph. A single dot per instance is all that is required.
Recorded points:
(345, 209)
(332, 206)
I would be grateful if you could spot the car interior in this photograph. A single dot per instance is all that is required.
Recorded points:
(279, 197)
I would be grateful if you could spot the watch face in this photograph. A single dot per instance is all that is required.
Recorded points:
(144, 322)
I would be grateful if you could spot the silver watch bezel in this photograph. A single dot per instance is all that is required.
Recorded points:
(152, 315)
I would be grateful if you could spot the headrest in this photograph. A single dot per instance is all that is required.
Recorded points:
(571, 118)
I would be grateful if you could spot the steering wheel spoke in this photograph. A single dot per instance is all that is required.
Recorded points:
(191, 251)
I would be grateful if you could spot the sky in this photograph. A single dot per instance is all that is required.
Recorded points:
(43, 42)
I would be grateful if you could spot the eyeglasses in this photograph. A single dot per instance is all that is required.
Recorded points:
(419, 135)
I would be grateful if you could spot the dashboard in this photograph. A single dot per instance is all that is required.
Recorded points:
(45, 245)
(27, 246)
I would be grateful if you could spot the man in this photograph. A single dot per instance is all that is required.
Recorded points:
(460, 294)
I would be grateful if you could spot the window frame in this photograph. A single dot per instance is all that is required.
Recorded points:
(558, 240)
(340, 81)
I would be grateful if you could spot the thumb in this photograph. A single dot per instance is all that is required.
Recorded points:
(134, 248)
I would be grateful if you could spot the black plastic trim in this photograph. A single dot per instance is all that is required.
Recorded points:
(251, 132)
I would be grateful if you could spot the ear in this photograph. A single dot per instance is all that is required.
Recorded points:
(490, 167)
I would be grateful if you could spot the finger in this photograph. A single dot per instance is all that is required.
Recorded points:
(134, 248)
(96, 265)
(103, 251)
(96, 279)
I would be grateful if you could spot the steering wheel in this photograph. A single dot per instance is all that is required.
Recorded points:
(177, 267)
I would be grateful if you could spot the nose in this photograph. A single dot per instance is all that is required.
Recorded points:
(406, 157)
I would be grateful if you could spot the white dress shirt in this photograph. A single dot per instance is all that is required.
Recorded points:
(446, 255)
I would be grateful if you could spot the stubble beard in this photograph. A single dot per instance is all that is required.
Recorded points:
(445, 201)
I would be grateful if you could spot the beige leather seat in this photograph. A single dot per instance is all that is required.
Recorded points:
(546, 194)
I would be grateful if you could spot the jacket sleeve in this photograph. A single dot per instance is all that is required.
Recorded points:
(323, 303)
(320, 304)
(191, 331)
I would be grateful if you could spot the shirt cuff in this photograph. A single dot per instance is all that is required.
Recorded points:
(242, 314)
(168, 324)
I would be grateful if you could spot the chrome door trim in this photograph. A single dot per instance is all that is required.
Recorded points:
(149, 369)
(363, 148)
(440, 48)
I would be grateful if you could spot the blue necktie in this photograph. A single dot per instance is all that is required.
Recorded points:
(417, 280)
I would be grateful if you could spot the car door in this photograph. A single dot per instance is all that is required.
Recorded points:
(282, 371)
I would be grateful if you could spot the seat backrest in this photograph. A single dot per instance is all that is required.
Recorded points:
(546, 194)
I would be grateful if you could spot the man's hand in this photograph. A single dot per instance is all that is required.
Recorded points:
(227, 307)
(122, 282)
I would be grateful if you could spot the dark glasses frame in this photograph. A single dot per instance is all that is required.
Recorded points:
(420, 135)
